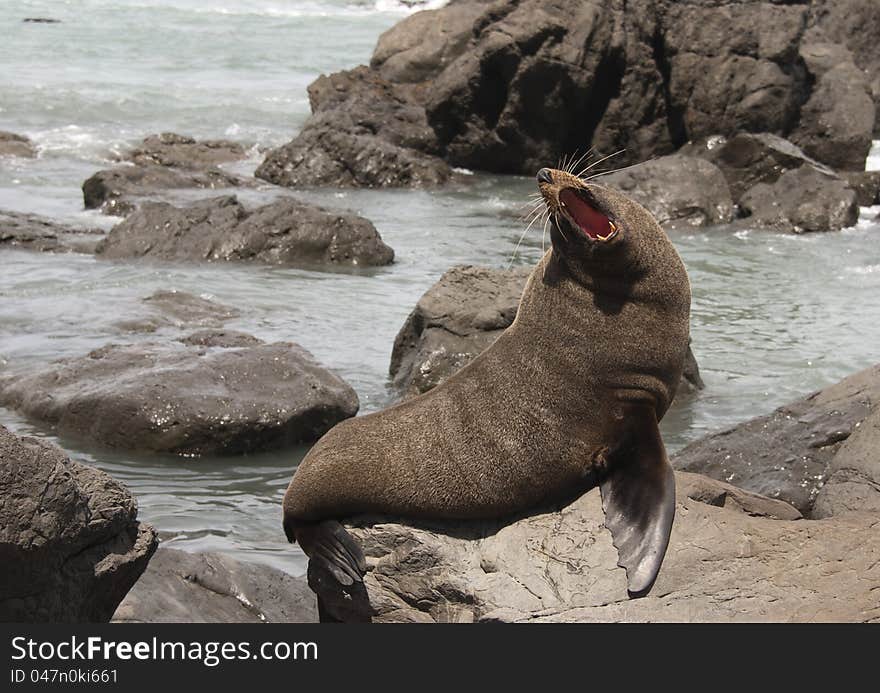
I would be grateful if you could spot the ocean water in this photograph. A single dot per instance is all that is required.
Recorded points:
(774, 316)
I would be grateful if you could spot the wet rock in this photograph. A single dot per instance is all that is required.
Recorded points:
(284, 232)
(70, 543)
(364, 132)
(182, 587)
(866, 185)
(460, 316)
(187, 400)
(116, 191)
(801, 201)
(170, 149)
(729, 559)
(33, 232)
(41, 20)
(172, 308)
(220, 338)
(16, 145)
(790, 453)
(678, 190)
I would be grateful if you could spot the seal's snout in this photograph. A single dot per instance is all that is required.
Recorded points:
(544, 176)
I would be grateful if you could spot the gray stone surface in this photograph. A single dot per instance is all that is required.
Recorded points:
(16, 145)
(70, 543)
(182, 587)
(33, 232)
(180, 151)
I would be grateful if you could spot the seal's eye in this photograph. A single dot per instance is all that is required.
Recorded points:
(584, 216)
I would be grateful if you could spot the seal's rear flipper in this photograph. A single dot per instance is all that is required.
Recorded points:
(335, 549)
(638, 497)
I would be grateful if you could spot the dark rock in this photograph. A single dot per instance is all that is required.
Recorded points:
(801, 201)
(729, 559)
(678, 190)
(179, 309)
(460, 316)
(220, 338)
(790, 454)
(32, 232)
(364, 132)
(70, 543)
(182, 587)
(284, 232)
(866, 185)
(187, 400)
(41, 20)
(16, 145)
(115, 191)
(170, 149)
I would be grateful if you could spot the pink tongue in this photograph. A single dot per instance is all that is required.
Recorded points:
(592, 222)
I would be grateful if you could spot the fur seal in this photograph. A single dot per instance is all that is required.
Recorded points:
(570, 394)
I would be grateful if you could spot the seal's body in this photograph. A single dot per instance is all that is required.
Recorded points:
(570, 393)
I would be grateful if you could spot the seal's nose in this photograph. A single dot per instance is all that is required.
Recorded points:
(544, 176)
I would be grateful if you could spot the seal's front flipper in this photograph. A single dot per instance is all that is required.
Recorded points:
(335, 549)
(638, 497)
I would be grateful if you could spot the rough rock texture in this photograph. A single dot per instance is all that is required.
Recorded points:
(170, 149)
(70, 542)
(284, 232)
(171, 308)
(792, 452)
(115, 191)
(220, 338)
(188, 400)
(364, 132)
(33, 232)
(801, 200)
(866, 185)
(678, 190)
(513, 85)
(460, 316)
(182, 587)
(733, 556)
(16, 145)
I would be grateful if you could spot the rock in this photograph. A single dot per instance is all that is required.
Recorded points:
(457, 318)
(220, 338)
(801, 201)
(866, 185)
(510, 86)
(678, 190)
(180, 309)
(70, 543)
(735, 562)
(186, 400)
(789, 454)
(114, 191)
(33, 232)
(364, 132)
(182, 587)
(41, 20)
(170, 149)
(284, 232)
(16, 145)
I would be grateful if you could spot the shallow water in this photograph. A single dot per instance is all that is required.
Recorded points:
(774, 316)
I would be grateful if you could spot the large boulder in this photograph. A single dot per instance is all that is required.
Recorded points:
(460, 316)
(678, 190)
(186, 399)
(33, 232)
(171, 149)
(70, 542)
(182, 587)
(283, 232)
(802, 200)
(511, 86)
(16, 145)
(733, 556)
(792, 452)
(116, 191)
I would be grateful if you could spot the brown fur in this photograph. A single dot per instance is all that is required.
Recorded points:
(602, 328)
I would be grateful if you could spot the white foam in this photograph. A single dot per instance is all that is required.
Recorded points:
(872, 163)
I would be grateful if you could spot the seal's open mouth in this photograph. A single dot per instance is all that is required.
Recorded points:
(581, 214)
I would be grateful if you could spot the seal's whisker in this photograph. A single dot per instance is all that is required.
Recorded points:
(596, 163)
(519, 242)
(577, 163)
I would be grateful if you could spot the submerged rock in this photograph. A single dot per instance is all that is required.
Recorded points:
(802, 200)
(460, 316)
(171, 308)
(733, 555)
(182, 587)
(116, 191)
(70, 543)
(16, 145)
(283, 232)
(792, 452)
(33, 232)
(187, 400)
(171, 149)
